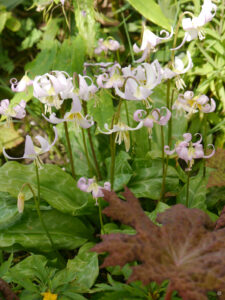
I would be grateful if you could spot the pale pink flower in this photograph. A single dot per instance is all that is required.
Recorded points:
(18, 111)
(150, 41)
(106, 45)
(91, 186)
(85, 91)
(188, 151)
(22, 85)
(33, 152)
(156, 116)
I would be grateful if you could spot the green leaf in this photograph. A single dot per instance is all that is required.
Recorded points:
(6, 265)
(151, 11)
(197, 193)
(147, 182)
(43, 62)
(31, 39)
(28, 267)
(85, 268)
(70, 56)
(13, 24)
(67, 232)
(101, 109)
(57, 187)
(4, 15)
(10, 4)
(8, 210)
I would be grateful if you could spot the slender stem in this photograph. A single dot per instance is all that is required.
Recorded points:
(92, 145)
(70, 150)
(176, 33)
(187, 191)
(128, 37)
(205, 142)
(100, 215)
(170, 120)
(163, 165)
(127, 113)
(86, 152)
(37, 204)
(113, 156)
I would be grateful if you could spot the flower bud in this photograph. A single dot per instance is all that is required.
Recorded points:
(20, 202)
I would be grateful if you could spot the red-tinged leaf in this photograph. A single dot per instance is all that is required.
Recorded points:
(217, 161)
(186, 250)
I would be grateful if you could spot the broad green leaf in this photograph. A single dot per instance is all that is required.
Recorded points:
(151, 11)
(28, 267)
(57, 187)
(101, 108)
(85, 268)
(43, 62)
(123, 170)
(147, 182)
(67, 232)
(8, 210)
(10, 4)
(70, 56)
(49, 33)
(13, 24)
(6, 265)
(197, 193)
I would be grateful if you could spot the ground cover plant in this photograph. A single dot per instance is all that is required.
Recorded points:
(112, 151)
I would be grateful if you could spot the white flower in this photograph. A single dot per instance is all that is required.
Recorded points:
(91, 186)
(193, 27)
(122, 132)
(73, 116)
(22, 85)
(86, 91)
(111, 78)
(150, 41)
(52, 88)
(18, 111)
(177, 69)
(32, 152)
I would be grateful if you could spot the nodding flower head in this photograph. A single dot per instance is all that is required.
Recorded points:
(74, 116)
(193, 26)
(106, 45)
(22, 85)
(85, 91)
(91, 186)
(18, 111)
(150, 41)
(156, 116)
(52, 88)
(33, 152)
(122, 132)
(188, 103)
(188, 151)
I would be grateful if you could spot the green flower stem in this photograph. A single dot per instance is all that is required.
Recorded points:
(113, 156)
(187, 191)
(100, 215)
(37, 204)
(205, 142)
(163, 165)
(69, 149)
(113, 144)
(84, 104)
(86, 152)
(128, 37)
(127, 113)
(176, 32)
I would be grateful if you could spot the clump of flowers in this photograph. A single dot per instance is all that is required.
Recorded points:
(106, 45)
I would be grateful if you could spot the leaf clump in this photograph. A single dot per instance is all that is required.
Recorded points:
(187, 250)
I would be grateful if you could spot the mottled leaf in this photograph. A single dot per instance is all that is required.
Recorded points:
(217, 162)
